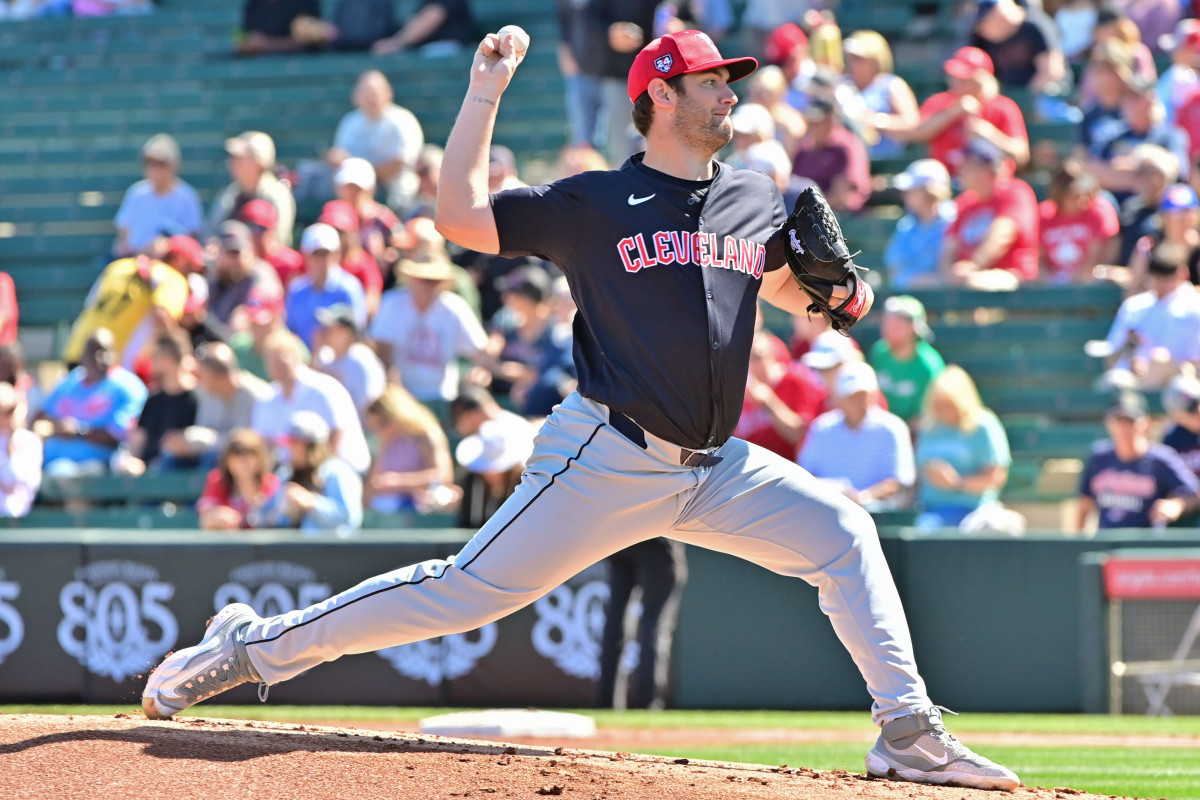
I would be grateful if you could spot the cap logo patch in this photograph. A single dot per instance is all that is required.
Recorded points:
(664, 63)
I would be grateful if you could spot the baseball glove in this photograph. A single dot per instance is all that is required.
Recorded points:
(820, 261)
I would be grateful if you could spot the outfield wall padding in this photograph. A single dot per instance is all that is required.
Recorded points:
(998, 624)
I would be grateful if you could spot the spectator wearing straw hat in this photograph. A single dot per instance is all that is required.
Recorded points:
(262, 219)
(324, 284)
(251, 163)
(904, 360)
(161, 204)
(913, 252)
(422, 330)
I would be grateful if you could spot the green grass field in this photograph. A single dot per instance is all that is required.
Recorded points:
(1146, 772)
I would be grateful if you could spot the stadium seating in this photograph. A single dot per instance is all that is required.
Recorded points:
(81, 97)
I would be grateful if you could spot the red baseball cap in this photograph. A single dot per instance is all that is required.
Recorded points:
(968, 61)
(260, 212)
(340, 215)
(262, 307)
(782, 41)
(187, 248)
(679, 54)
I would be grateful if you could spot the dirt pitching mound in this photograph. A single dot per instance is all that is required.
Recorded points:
(124, 757)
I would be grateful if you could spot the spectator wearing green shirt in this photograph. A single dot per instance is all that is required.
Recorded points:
(903, 358)
(266, 316)
(962, 452)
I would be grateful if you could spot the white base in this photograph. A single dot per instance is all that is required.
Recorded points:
(510, 723)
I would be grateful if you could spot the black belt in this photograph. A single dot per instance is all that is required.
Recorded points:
(634, 433)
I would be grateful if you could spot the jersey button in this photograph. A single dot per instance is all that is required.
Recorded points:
(716, 346)
(708, 295)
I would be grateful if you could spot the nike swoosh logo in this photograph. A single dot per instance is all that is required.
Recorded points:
(633, 201)
(932, 758)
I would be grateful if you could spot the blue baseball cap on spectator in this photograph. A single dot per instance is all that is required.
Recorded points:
(985, 151)
(1179, 197)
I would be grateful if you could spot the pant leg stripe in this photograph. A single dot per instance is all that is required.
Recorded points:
(567, 466)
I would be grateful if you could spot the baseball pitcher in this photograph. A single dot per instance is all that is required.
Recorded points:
(666, 258)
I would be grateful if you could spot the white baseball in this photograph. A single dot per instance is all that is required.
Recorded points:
(520, 38)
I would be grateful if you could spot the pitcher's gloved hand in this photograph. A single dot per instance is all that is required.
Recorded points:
(822, 263)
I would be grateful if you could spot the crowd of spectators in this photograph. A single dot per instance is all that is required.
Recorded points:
(326, 370)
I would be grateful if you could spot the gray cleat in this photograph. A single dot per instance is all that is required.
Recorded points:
(918, 748)
(218, 663)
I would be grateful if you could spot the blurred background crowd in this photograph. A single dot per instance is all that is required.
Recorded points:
(296, 331)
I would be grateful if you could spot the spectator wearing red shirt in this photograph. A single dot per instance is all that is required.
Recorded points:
(1078, 227)
(240, 484)
(782, 398)
(262, 218)
(972, 108)
(996, 231)
(8, 309)
(377, 225)
(833, 158)
(341, 216)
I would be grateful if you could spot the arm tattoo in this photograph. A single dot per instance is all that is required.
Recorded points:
(478, 99)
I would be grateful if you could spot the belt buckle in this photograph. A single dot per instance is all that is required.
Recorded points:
(695, 458)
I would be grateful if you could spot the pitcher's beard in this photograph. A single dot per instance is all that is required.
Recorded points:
(701, 131)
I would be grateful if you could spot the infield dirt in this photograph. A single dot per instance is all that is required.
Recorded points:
(98, 758)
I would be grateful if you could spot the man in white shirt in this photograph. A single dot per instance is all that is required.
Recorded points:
(864, 451)
(159, 205)
(422, 330)
(299, 388)
(1156, 331)
(387, 135)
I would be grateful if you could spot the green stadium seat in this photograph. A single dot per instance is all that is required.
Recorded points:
(166, 517)
(183, 486)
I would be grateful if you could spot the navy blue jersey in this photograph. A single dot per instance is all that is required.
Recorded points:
(1186, 444)
(666, 274)
(1124, 490)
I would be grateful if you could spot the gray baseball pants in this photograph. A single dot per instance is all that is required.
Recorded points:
(587, 492)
